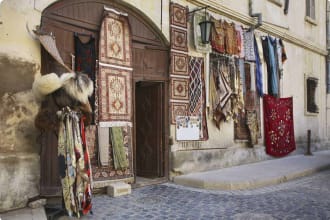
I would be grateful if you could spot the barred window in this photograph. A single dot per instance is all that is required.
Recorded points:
(311, 87)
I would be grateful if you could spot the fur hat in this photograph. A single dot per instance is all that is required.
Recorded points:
(79, 87)
(76, 85)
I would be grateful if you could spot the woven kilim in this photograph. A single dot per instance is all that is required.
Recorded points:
(114, 95)
(115, 72)
(279, 129)
(178, 15)
(178, 109)
(115, 40)
(179, 77)
(197, 103)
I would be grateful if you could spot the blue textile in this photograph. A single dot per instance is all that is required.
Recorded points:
(258, 70)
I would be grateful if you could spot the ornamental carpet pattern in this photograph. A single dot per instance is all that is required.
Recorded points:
(197, 104)
(114, 98)
(114, 95)
(101, 173)
(279, 129)
(115, 40)
(179, 77)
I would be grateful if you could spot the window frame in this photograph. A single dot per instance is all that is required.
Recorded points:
(310, 13)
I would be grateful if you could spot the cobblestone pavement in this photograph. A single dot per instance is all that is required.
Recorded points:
(306, 198)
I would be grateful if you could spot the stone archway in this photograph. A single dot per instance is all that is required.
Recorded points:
(150, 63)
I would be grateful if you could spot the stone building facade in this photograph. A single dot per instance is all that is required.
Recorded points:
(302, 31)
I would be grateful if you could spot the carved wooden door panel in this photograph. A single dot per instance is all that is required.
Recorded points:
(149, 129)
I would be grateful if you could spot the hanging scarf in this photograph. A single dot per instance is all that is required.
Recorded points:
(74, 164)
(258, 70)
(117, 142)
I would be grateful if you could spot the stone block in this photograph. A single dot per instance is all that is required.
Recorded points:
(118, 189)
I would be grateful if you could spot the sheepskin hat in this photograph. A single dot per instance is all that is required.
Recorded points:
(77, 85)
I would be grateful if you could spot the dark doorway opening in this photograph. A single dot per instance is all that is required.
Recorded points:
(149, 118)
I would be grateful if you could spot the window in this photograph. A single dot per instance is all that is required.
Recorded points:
(311, 95)
(310, 9)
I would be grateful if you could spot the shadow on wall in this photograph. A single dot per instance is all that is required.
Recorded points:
(19, 151)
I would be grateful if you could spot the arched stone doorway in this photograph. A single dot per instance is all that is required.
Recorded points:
(149, 153)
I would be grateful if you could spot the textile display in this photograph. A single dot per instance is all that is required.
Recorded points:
(179, 39)
(74, 164)
(230, 38)
(199, 46)
(279, 127)
(120, 160)
(218, 36)
(108, 172)
(252, 123)
(85, 62)
(179, 64)
(178, 109)
(240, 44)
(197, 104)
(114, 96)
(179, 78)
(103, 143)
(178, 15)
(115, 40)
(179, 88)
(259, 78)
(220, 88)
(248, 37)
(248, 125)
(270, 55)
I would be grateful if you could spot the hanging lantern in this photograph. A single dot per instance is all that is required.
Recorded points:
(205, 27)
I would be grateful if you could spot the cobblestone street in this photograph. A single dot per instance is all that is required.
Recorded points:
(305, 198)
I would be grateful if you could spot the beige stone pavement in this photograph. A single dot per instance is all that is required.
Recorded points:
(260, 174)
(241, 177)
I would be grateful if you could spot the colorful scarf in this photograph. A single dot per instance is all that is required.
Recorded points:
(74, 164)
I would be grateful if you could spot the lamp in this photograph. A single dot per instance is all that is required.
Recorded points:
(205, 26)
(205, 29)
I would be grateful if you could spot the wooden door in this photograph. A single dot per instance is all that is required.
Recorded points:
(149, 129)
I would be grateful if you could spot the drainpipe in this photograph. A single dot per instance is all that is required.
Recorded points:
(328, 46)
(327, 61)
(257, 15)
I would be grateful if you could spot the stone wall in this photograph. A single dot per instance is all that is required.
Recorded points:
(19, 152)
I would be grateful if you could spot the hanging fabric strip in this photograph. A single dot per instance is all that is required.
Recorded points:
(197, 93)
(85, 61)
(117, 142)
(259, 79)
(248, 37)
(74, 164)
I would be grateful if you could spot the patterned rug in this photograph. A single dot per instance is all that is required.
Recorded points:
(197, 103)
(279, 128)
(114, 83)
(179, 77)
(115, 71)
(114, 97)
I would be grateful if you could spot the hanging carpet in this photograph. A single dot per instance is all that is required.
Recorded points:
(85, 61)
(115, 71)
(197, 103)
(279, 128)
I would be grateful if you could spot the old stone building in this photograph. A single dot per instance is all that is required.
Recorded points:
(169, 86)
